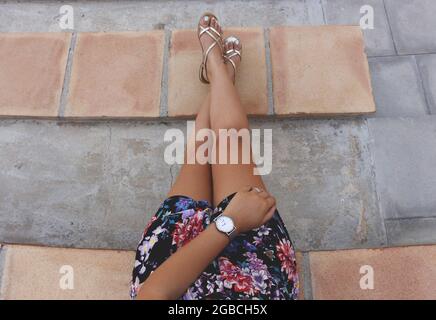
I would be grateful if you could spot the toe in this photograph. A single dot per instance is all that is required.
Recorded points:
(232, 45)
(204, 21)
(217, 26)
(226, 47)
(237, 45)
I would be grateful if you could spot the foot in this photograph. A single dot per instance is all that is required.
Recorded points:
(215, 58)
(231, 44)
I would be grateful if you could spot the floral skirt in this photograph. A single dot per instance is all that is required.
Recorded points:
(259, 264)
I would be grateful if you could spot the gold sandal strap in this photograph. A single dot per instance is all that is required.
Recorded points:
(232, 53)
(207, 29)
(217, 40)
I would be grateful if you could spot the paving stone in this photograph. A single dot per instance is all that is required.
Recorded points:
(90, 185)
(37, 273)
(404, 152)
(411, 231)
(427, 66)
(94, 185)
(320, 71)
(378, 41)
(397, 87)
(147, 15)
(116, 75)
(92, 270)
(270, 12)
(322, 179)
(336, 274)
(413, 23)
(186, 93)
(32, 70)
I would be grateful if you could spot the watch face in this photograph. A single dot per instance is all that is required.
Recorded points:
(224, 224)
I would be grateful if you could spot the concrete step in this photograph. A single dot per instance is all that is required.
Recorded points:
(95, 185)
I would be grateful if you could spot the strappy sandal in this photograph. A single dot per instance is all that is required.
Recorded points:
(217, 40)
(229, 54)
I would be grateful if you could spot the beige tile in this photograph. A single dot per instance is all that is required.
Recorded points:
(116, 75)
(320, 71)
(399, 273)
(32, 69)
(34, 273)
(186, 92)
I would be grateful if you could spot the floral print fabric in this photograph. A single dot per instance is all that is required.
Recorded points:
(259, 264)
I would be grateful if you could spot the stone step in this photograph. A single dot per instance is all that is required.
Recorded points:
(32, 272)
(340, 184)
(96, 184)
(36, 272)
(319, 70)
(397, 273)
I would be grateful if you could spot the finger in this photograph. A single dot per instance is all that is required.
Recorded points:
(269, 214)
(255, 189)
(263, 194)
(270, 201)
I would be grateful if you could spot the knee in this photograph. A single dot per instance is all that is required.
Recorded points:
(229, 125)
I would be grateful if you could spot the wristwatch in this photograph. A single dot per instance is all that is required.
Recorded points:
(225, 225)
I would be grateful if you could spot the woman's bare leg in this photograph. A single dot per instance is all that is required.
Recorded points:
(226, 112)
(195, 180)
(221, 110)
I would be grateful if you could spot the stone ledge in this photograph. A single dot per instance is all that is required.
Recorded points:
(32, 272)
(119, 75)
(32, 70)
(398, 273)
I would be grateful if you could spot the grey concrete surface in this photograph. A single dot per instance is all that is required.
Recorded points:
(307, 277)
(79, 185)
(411, 231)
(378, 41)
(146, 15)
(322, 177)
(413, 25)
(397, 87)
(427, 66)
(95, 185)
(404, 153)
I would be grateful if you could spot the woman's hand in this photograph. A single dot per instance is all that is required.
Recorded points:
(250, 209)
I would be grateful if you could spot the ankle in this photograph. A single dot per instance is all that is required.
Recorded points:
(219, 70)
